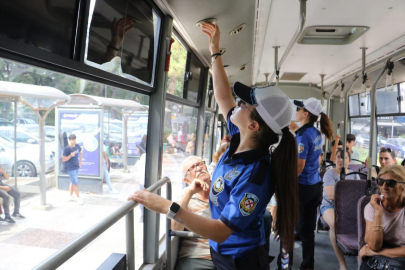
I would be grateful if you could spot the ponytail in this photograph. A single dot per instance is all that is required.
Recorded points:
(284, 162)
(326, 126)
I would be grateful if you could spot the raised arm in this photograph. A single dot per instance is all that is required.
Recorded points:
(222, 89)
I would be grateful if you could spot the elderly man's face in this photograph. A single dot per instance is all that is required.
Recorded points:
(196, 170)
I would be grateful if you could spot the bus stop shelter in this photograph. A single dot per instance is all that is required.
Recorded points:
(41, 100)
(92, 130)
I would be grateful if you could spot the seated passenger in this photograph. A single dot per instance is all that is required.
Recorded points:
(387, 157)
(194, 253)
(217, 155)
(330, 178)
(5, 192)
(385, 216)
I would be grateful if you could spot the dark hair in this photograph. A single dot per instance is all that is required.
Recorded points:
(403, 163)
(72, 137)
(388, 150)
(284, 161)
(341, 153)
(326, 125)
(339, 143)
(350, 138)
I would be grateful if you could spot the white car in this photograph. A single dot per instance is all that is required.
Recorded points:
(27, 137)
(28, 163)
(24, 121)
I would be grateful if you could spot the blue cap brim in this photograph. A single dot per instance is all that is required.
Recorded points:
(298, 103)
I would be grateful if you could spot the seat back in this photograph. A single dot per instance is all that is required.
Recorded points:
(347, 194)
(356, 167)
(361, 222)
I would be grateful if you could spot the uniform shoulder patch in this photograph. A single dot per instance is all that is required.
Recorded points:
(301, 147)
(248, 204)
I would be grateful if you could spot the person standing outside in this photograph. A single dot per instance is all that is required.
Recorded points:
(72, 156)
(309, 141)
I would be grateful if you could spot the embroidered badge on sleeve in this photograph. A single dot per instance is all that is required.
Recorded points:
(300, 147)
(248, 204)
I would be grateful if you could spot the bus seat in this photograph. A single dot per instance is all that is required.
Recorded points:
(361, 223)
(356, 167)
(347, 194)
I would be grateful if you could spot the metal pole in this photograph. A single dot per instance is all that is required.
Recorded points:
(168, 229)
(15, 145)
(42, 180)
(346, 118)
(276, 67)
(301, 24)
(328, 105)
(124, 141)
(372, 154)
(322, 102)
(130, 238)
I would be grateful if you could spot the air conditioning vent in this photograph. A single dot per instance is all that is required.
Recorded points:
(331, 35)
(237, 30)
(292, 76)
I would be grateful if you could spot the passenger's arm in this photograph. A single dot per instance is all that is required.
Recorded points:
(183, 202)
(301, 165)
(374, 234)
(222, 89)
(209, 228)
(392, 252)
(330, 191)
(334, 149)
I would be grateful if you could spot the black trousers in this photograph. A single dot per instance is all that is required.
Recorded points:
(257, 259)
(309, 199)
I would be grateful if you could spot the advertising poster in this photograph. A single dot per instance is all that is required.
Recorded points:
(85, 125)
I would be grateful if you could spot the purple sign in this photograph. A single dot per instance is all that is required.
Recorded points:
(86, 126)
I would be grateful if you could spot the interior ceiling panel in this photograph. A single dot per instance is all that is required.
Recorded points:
(229, 14)
(385, 19)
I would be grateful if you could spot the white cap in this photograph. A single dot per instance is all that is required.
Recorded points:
(312, 105)
(272, 104)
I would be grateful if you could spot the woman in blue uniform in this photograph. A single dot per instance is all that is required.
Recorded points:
(309, 142)
(246, 176)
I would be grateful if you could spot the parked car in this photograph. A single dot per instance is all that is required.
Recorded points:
(24, 121)
(26, 137)
(49, 130)
(4, 122)
(398, 145)
(363, 140)
(28, 163)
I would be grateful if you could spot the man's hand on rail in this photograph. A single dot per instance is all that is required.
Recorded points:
(151, 201)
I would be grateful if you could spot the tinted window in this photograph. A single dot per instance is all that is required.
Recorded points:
(354, 105)
(47, 25)
(124, 33)
(387, 101)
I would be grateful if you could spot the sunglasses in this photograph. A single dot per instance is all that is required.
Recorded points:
(242, 104)
(383, 149)
(195, 165)
(390, 182)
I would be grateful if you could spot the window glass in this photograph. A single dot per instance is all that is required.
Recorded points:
(361, 128)
(193, 79)
(391, 133)
(353, 105)
(47, 25)
(123, 38)
(365, 105)
(99, 200)
(387, 101)
(208, 140)
(180, 127)
(402, 94)
(177, 69)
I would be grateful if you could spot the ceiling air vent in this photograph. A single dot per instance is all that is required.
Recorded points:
(237, 30)
(292, 76)
(331, 35)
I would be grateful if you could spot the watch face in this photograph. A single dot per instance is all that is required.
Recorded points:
(174, 207)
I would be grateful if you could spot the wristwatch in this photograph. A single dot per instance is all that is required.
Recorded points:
(173, 210)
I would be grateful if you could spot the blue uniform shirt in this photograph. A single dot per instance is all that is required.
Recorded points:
(240, 191)
(309, 142)
(73, 163)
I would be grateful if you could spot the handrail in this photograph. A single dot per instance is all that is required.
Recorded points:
(183, 234)
(301, 24)
(64, 254)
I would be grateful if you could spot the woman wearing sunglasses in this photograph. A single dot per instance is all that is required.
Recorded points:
(330, 179)
(385, 222)
(246, 176)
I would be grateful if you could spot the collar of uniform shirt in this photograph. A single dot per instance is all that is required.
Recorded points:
(246, 156)
(303, 128)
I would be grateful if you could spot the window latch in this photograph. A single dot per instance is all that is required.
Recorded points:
(188, 76)
(400, 98)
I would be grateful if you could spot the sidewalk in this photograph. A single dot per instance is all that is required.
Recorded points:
(29, 241)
